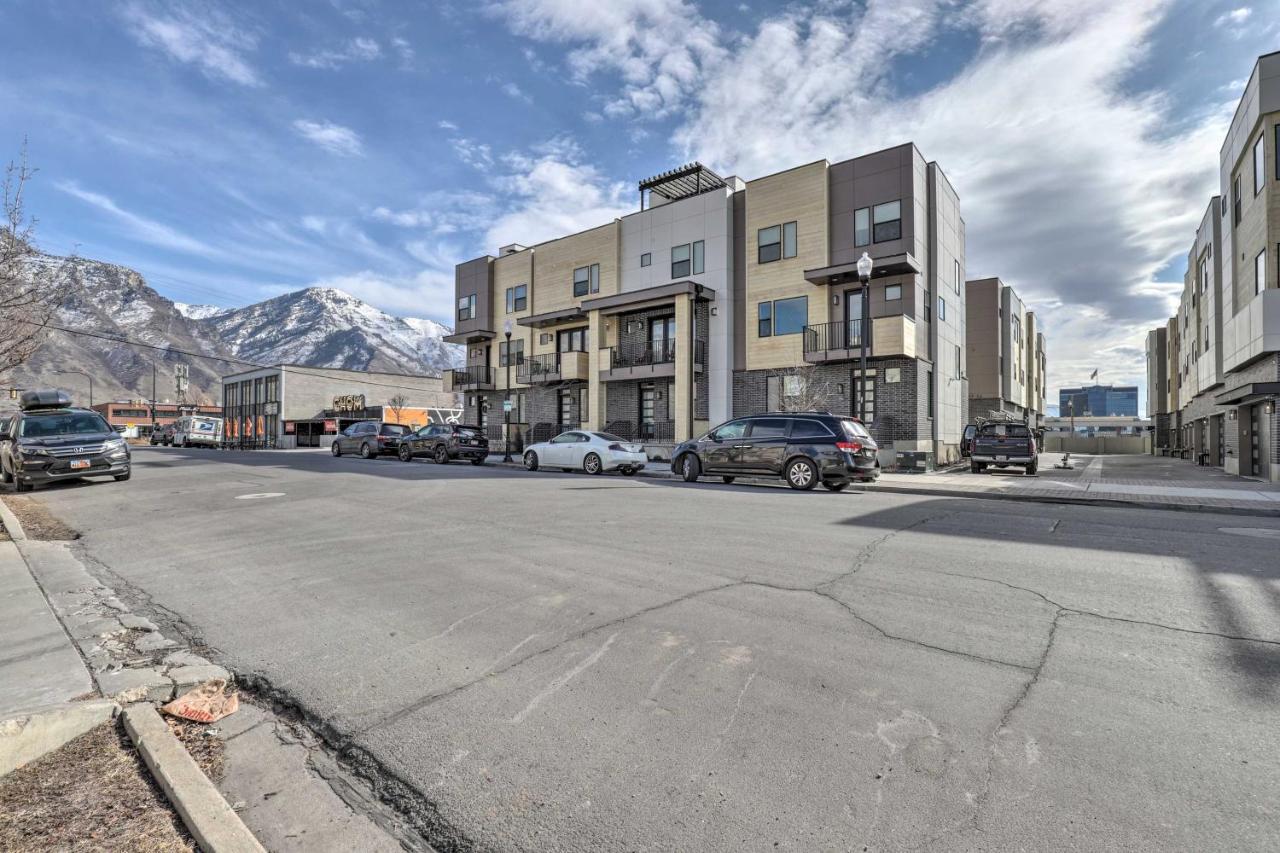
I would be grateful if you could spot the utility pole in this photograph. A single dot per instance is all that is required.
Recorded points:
(153, 397)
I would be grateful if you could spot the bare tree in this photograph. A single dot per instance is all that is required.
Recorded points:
(27, 296)
(397, 405)
(803, 389)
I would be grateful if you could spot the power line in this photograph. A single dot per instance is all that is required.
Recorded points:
(116, 339)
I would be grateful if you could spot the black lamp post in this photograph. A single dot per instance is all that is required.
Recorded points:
(864, 325)
(86, 376)
(506, 404)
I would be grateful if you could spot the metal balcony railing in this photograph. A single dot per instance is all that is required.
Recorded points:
(656, 432)
(539, 368)
(642, 353)
(833, 340)
(474, 376)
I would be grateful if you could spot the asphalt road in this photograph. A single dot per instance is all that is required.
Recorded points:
(555, 662)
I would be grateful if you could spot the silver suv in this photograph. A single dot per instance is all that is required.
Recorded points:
(49, 440)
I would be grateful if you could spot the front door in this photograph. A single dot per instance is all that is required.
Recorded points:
(648, 404)
(565, 413)
(765, 447)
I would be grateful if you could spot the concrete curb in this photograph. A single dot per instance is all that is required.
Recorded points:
(1108, 503)
(11, 524)
(26, 736)
(213, 823)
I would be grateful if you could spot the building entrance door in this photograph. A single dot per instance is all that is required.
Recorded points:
(648, 400)
(1255, 441)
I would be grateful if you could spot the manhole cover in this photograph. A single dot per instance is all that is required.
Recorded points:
(1256, 532)
(256, 495)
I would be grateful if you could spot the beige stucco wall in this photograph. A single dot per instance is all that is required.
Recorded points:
(555, 261)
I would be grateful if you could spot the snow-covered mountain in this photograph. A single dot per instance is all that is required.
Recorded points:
(316, 326)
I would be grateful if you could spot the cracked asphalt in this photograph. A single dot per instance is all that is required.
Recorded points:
(559, 662)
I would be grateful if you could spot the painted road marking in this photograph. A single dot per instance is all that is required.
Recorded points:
(256, 495)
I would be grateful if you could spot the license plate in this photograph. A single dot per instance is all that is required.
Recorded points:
(77, 464)
(1000, 458)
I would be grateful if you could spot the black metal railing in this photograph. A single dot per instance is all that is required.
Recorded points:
(656, 432)
(539, 368)
(642, 353)
(825, 337)
(475, 375)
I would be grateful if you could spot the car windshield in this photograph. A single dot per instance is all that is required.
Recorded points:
(61, 423)
(394, 429)
(607, 436)
(1006, 430)
(467, 432)
(853, 429)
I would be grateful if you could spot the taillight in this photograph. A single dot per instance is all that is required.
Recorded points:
(616, 446)
(849, 446)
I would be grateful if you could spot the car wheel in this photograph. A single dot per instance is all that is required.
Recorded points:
(835, 487)
(690, 468)
(120, 478)
(591, 464)
(336, 449)
(975, 468)
(801, 474)
(531, 461)
(441, 455)
(477, 460)
(728, 480)
(1032, 468)
(365, 451)
(405, 454)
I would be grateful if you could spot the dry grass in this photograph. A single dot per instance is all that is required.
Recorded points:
(93, 794)
(37, 522)
(202, 742)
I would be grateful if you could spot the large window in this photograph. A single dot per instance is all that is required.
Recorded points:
(1259, 166)
(572, 340)
(687, 259)
(770, 244)
(516, 353)
(764, 319)
(467, 307)
(789, 240)
(886, 220)
(586, 280)
(1260, 272)
(783, 316)
(517, 298)
(862, 226)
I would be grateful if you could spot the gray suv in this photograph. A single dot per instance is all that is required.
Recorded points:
(49, 440)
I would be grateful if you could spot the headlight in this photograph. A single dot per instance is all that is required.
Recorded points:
(115, 444)
(34, 451)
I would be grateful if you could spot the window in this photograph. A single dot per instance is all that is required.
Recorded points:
(862, 226)
(892, 292)
(790, 315)
(1235, 199)
(887, 221)
(517, 353)
(582, 281)
(595, 278)
(809, 429)
(467, 307)
(517, 298)
(1206, 338)
(769, 242)
(769, 428)
(942, 308)
(1260, 272)
(928, 379)
(788, 239)
(731, 430)
(958, 371)
(1259, 166)
(868, 389)
(698, 257)
(680, 263)
(646, 259)
(764, 321)
(957, 275)
(572, 340)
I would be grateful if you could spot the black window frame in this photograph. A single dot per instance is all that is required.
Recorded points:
(894, 225)
(764, 319)
(798, 331)
(1235, 201)
(467, 307)
(646, 259)
(682, 268)
(581, 287)
(794, 228)
(864, 241)
(1260, 271)
(895, 288)
(569, 335)
(517, 298)
(1259, 164)
(516, 349)
(768, 257)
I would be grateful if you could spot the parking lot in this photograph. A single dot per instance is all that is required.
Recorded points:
(563, 662)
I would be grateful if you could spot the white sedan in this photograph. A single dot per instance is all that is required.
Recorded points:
(592, 452)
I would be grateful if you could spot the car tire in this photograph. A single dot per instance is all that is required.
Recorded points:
(366, 452)
(835, 487)
(120, 478)
(591, 464)
(405, 454)
(441, 456)
(727, 480)
(477, 460)
(975, 468)
(531, 461)
(335, 449)
(801, 474)
(1031, 469)
(690, 468)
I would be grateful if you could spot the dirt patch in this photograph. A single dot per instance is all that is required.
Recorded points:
(37, 522)
(203, 741)
(92, 794)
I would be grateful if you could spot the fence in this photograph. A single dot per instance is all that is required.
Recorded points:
(1097, 444)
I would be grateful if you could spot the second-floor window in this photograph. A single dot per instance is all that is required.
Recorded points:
(775, 242)
(886, 221)
(517, 298)
(782, 316)
(515, 356)
(687, 259)
(586, 280)
(467, 307)
(1259, 166)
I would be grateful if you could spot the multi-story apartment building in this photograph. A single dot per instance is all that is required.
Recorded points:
(721, 297)
(1158, 386)
(1223, 345)
(1006, 353)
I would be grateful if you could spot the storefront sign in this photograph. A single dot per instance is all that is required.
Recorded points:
(349, 403)
(330, 427)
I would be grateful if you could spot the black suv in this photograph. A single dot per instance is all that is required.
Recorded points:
(443, 442)
(804, 448)
(49, 440)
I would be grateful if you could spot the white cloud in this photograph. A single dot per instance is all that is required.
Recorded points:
(200, 36)
(511, 90)
(1235, 17)
(139, 227)
(332, 137)
(404, 50)
(445, 124)
(478, 155)
(361, 49)
(426, 293)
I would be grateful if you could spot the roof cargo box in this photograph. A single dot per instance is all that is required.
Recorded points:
(44, 399)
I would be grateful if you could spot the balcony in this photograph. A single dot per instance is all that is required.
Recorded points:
(552, 368)
(648, 359)
(478, 378)
(833, 342)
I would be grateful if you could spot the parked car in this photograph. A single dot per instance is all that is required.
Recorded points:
(49, 440)
(804, 448)
(1003, 444)
(370, 439)
(195, 430)
(157, 435)
(966, 440)
(445, 442)
(593, 452)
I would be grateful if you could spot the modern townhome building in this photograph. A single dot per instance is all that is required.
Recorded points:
(1006, 353)
(721, 297)
(1222, 348)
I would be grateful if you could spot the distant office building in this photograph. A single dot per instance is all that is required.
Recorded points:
(1099, 401)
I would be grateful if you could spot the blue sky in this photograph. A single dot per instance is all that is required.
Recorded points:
(232, 151)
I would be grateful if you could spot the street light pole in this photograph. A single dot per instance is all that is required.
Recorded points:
(506, 404)
(864, 325)
(86, 376)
